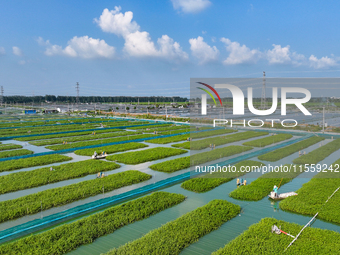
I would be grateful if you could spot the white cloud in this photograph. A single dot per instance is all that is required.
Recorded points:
(279, 55)
(2, 51)
(138, 43)
(323, 62)
(83, 47)
(202, 51)
(190, 6)
(240, 54)
(17, 51)
(22, 62)
(283, 55)
(116, 22)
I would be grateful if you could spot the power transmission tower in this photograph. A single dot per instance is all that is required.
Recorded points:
(263, 97)
(2, 95)
(77, 87)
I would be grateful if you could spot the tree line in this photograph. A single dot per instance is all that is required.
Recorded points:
(90, 99)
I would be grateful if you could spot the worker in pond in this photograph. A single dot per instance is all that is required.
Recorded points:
(275, 190)
(238, 182)
(245, 182)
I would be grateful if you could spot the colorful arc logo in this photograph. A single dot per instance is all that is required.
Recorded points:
(204, 97)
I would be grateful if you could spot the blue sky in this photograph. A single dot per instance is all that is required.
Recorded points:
(145, 48)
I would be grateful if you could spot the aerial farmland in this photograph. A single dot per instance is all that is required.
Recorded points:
(123, 185)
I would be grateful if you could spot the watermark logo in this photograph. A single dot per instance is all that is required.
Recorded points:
(238, 99)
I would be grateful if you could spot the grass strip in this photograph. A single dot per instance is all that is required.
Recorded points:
(164, 129)
(319, 154)
(30, 162)
(9, 146)
(30, 204)
(111, 148)
(259, 239)
(190, 135)
(59, 128)
(199, 158)
(210, 181)
(13, 153)
(314, 194)
(204, 157)
(29, 179)
(137, 157)
(68, 237)
(152, 127)
(82, 138)
(97, 142)
(289, 150)
(46, 129)
(172, 165)
(205, 143)
(176, 235)
(263, 185)
(171, 139)
(176, 131)
(42, 137)
(262, 142)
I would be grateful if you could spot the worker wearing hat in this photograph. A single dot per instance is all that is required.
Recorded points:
(275, 190)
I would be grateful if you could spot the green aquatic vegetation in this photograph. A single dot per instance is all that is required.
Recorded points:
(263, 185)
(176, 235)
(61, 128)
(13, 153)
(262, 142)
(171, 139)
(219, 153)
(83, 138)
(289, 150)
(42, 176)
(30, 162)
(111, 148)
(68, 237)
(211, 133)
(314, 194)
(98, 142)
(165, 129)
(319, 154)
(259, 239)
(45, 129)
(210, 181)
(43, 137)
(137, 157)
(174, 165)
(190, 135)
(9, 146)
(176, 131)
(33, 203)
(203, 184)
(205, 143)
(151, 127)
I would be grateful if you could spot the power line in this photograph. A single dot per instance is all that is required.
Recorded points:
(2, 95)
(263, 97)
(77, 87)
